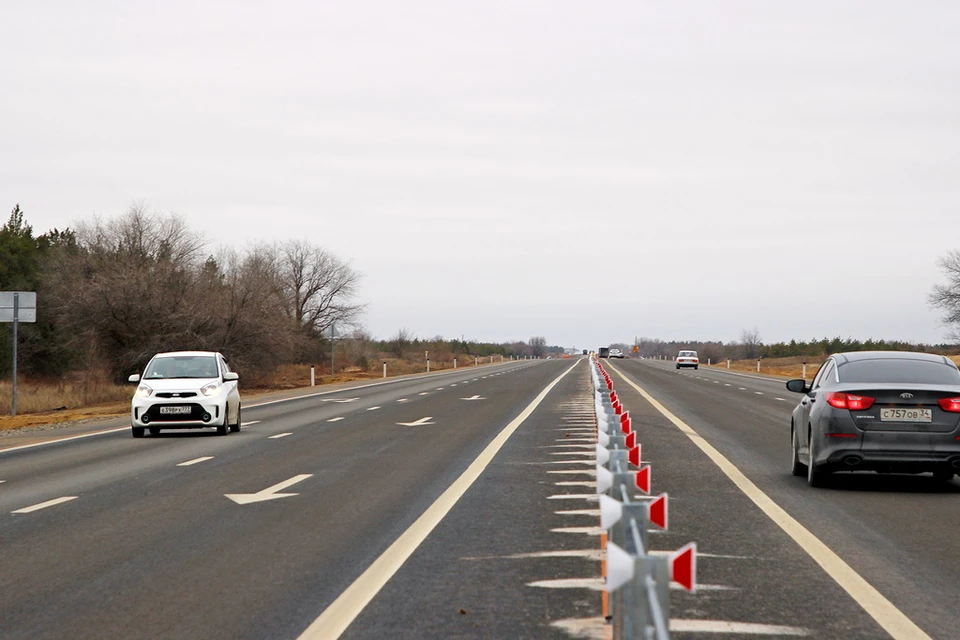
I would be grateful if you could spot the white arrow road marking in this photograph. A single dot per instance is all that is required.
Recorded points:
(44, 505)
(247, 424)
(279, 435)
(340, 400)
(373, 408)
(270, 493)
(473, 398)
(338, 419)
(418, 423)
(195, 461)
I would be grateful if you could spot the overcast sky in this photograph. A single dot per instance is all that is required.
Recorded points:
(588, 172)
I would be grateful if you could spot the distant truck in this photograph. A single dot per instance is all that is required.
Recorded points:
(604, 352)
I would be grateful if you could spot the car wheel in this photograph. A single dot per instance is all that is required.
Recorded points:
(236, 427)
(224, 429)
(696, 367)
(678, 367)
(815, 477)
(943, 475)
(137, 432)
(797, 468)
(154, 431)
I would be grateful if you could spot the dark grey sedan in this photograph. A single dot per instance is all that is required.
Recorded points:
(883, 411)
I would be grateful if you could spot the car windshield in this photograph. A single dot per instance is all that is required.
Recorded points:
(899, 370)
(181, 367)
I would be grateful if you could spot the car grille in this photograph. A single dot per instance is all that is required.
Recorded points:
(171, 394)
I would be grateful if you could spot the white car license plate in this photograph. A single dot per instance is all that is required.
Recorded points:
(906, 415)
(175, 410)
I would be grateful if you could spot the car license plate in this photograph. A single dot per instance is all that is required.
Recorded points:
(906, 415)
(175, 410)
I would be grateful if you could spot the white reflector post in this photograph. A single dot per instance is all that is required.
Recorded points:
(603, 439)
(604, 479)
(610, 511)
(603, 454)
(620, 567)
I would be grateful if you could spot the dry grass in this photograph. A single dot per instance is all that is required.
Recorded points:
(787, 368)
(86, 397)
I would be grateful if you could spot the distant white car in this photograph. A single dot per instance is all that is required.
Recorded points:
(688, 358)
(616, 353)
(185, 390)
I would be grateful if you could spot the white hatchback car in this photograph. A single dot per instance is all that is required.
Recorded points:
(688, 358)
(185, 390)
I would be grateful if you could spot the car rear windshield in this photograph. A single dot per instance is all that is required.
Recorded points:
(688, 353)
(895, 370)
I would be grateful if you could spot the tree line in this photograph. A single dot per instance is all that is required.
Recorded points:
(112, 292)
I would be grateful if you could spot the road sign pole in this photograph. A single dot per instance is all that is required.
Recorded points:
(16, 313)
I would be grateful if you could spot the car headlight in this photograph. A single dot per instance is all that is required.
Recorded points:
(143, 391)
(210, 389)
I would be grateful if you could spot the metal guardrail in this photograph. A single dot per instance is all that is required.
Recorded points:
(637, 582)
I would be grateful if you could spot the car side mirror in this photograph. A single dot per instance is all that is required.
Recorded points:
(798, 386)
(231, 376)
(134, 378)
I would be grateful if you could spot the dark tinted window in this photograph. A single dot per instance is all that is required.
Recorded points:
(915, 371)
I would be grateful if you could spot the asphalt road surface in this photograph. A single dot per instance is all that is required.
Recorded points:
(460, 504)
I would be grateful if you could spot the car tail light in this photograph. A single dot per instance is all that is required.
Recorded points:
(851, 402)
(841, 435)
(950, 404)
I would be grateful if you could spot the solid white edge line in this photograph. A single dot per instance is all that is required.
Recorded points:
(195, 461)
(888, 616)
(341, 613)
(44, 505)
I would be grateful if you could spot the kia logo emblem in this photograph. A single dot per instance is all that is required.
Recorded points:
(906, 395)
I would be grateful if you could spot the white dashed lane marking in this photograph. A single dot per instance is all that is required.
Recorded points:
(44, 505)
(279, 435)
(337, 419)
(195, 461)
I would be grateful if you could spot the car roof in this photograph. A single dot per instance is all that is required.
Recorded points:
(170, 354)
(859, 356)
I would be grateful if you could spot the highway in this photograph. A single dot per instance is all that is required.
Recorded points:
(459, 504)
(185, 535)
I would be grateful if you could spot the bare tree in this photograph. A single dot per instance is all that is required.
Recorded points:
(128, 284)
(750, 343)
(538, 346)
(401, 342)
(319, 288)
(946, 297)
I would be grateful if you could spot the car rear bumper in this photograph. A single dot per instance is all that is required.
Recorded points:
(892, 460)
